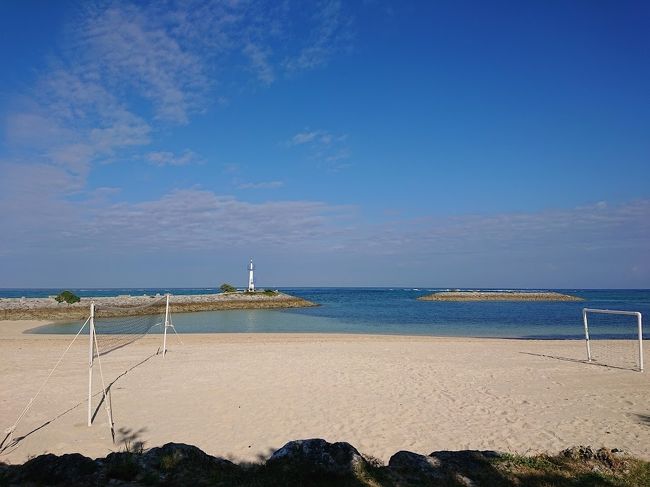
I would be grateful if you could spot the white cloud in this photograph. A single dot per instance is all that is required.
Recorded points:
(331, 33)
(320, 137)
(87, 107)
(199, 219)
(261, 185)
(324, 147)
(165, 158)
(303, 138)
(260, 63)
(584, 229)
(125, 45)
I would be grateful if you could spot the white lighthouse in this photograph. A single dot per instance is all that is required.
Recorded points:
(251, 280)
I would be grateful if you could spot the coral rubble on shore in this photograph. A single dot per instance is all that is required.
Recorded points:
(498, 296)
(49, 309)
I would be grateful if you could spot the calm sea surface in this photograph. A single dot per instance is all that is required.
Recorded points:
(396, 311)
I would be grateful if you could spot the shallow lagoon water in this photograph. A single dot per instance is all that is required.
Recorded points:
(397, 312)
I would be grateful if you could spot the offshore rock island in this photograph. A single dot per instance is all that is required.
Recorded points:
(498, 296)
(49, 309)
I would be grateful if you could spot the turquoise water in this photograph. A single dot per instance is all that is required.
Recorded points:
(396, 311)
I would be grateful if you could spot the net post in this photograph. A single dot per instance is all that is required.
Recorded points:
(584, 320)
(164, 351)
(640, 325)
(91, 336)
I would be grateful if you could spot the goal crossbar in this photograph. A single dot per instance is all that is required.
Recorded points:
(639, 320)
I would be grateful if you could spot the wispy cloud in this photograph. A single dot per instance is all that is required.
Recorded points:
(166, 158)
(328, 149)
(260, 63)
(198, 219)
(331, 32)
(598, 226)
(181, 219)
(127, 45)
(126, 71)
(319, 137)
(261, 185)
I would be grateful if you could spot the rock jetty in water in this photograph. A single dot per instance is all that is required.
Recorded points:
(49, 309)
(498, 296)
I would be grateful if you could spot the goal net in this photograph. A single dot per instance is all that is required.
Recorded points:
(115, 327)
(614, 338)
(110, 329)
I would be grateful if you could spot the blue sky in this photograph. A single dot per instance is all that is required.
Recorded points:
(364, 143)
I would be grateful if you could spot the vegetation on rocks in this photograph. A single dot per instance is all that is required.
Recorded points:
(227, 288)
(67, 297)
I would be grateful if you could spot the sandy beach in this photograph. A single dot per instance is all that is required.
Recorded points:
(241, 395)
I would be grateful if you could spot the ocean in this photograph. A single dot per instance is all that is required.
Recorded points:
(395, 311)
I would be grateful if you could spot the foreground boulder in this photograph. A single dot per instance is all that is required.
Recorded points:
(69, 469)
(466, 468)
(173, 463)
(317, 456)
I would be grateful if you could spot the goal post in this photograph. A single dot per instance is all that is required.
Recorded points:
(637, 334)
(91, 357)
(113, 328)
(165, 326)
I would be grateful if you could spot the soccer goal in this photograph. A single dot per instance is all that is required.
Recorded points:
(614, 338)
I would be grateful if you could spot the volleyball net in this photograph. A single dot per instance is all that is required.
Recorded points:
(110, 328)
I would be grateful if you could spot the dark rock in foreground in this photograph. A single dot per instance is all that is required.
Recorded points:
(54, 470)
(316, 462)
(319, 457)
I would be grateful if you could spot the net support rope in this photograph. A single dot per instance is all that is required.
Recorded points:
(171, 325)
(9, 431)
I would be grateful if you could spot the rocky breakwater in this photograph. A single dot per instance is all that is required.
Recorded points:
(49, 309)
(498, 296)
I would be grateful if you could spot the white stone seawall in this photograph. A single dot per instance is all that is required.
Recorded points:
(48, 308)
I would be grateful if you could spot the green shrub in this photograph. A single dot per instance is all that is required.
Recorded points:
(270, 292)
(67, 297)
(227, 288)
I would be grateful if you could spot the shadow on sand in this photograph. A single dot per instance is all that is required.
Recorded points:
(580, 361)
(12, 444)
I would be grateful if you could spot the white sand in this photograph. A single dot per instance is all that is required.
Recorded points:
(242, 395)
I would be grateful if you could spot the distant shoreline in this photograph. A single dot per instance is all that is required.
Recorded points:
(126, 305)
(498, 296)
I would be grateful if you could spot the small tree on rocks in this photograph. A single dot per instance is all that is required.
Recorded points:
(227, 288)
(67, 297)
